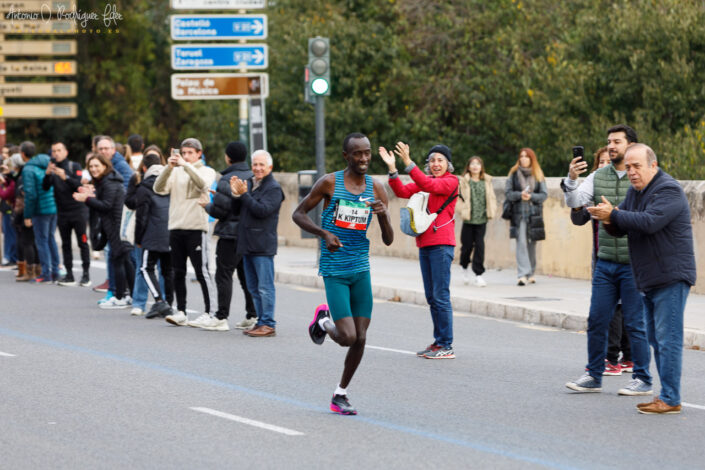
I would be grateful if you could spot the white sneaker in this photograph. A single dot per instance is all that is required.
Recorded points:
(466, 276)
(200, 321)
(246, 324)
(128, 299)
(479, 282)
(136, 311)
(214, 324)
(114, 303)
(177, 319)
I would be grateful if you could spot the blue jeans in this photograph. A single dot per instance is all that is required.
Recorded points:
(435, 270)
(44, 231)
(259, 273)
(611, 282)
(664, 321)
(110, 272)
(9, 249)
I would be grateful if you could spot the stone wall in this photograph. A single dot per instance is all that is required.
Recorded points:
(566, 252)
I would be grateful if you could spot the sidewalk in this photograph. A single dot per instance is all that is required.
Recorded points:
(552, 301)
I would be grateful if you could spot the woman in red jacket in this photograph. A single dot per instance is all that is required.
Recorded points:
(437, 244)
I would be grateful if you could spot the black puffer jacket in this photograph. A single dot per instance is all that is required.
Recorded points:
(152, 214)
(223, 207)
(106, 214)
(531, 210)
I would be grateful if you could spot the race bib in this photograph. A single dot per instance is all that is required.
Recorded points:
(351, 215)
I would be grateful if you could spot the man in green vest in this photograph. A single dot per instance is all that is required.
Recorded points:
(612, 277)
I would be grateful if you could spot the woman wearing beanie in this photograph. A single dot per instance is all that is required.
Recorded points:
(526, 189)
(437, 244)
(479, 204)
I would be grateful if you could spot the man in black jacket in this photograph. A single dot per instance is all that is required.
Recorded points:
(656, 216)
(261, 197)
(227, 211)
(65, 176)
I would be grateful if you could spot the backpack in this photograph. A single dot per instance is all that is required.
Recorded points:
(415, 218)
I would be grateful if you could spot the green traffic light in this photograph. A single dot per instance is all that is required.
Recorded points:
(320, 86)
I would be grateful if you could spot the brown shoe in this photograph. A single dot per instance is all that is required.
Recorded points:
(261, 331)
(641, 405)
(658, 407)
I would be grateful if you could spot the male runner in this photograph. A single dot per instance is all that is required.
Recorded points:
(350, 198)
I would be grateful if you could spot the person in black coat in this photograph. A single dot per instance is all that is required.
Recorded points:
(261, 197)
(105, 200)
(655, 215)
(227, 211)
(152, 235)
(72, 216)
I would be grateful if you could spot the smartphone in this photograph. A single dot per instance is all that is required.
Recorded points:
(175, 152)
(578, 151)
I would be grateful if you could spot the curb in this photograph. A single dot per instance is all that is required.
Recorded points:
(512, 311)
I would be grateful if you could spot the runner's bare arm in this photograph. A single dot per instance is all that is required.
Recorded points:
(322, 191)
(379, 207)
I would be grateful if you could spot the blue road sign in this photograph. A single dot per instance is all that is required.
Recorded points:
(219, 56)
(205, 27)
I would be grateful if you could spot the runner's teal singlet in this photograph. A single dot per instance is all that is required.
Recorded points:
(348, 217)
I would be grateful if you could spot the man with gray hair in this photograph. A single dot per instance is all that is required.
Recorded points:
(186, 179)
(656, 216)
(261, 197)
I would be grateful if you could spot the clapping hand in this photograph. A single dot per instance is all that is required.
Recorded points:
(602, 211)
(402, 150)
(237, 186)
(388, 158)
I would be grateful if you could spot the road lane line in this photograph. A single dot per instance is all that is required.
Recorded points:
(391, 350)
(496, 449)
(6, 354)
(251, 422)
(689, 405)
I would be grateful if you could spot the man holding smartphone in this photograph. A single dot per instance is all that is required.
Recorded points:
(65, 177)
(612, 278)
(185, 179)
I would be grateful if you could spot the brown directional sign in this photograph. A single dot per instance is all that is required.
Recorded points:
(218, 86)
(45, 68)
(38, 90)
(38, 111)
(37, 27)
(38, 47)
(34, 6)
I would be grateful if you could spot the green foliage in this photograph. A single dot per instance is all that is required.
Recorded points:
(484, 77)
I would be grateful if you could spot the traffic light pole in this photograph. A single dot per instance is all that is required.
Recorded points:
(320, 137)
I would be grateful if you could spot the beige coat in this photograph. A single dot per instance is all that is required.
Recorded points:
(464, 208)
(185, 185)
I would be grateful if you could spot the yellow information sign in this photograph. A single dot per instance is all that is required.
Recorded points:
(37, 27)
(38, 47)
(34, 6)
(38, 90)
(39, 111)
(39, 68)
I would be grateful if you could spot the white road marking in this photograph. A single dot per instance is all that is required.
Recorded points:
(391, 350)
(6, 354)
(699, 407)
(251, 422)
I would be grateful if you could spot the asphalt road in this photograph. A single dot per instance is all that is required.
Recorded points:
(89, 388)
